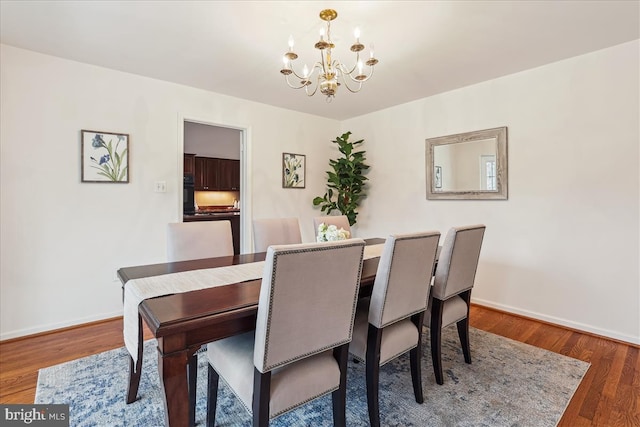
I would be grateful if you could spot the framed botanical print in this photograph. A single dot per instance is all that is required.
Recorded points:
(105, 156)
(293, 170)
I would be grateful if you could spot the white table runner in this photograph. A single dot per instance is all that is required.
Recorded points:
(137, 290)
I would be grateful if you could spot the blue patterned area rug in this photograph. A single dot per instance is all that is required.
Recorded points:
(508, 384)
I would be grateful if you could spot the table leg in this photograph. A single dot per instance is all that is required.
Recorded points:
(192, 377)
(135, 369)
(173, 373)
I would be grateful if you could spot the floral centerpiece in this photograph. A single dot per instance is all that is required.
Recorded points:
(330, 233)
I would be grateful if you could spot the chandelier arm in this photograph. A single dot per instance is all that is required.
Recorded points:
(369, 76)
(315, 88)
(344, 68)
(293, 86)
(362, 80)
(346, 72)
(350, 74)
(296, 74)
(317, 65)
(346, 84)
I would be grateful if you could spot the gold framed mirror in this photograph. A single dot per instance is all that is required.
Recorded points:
(471, 165)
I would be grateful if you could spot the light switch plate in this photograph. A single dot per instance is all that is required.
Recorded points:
(161, 187)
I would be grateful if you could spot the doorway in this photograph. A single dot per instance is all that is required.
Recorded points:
(212, 142)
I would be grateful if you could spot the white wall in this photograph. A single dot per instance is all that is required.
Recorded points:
(564, 247)
(62, 240)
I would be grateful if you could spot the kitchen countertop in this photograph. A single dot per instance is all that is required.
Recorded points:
(203, 214)
(217, 213)
(216, 209)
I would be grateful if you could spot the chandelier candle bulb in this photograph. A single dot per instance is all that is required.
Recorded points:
(330, 73)
(285, 68)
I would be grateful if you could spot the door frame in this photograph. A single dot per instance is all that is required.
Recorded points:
(245, 166)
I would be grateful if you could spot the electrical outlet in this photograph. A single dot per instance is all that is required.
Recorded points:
(161, 187)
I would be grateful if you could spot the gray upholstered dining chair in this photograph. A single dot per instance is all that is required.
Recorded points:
(340, 221)
(299, 349)
(275, 231)
(199, 239)
(391, 323)
(451, 291)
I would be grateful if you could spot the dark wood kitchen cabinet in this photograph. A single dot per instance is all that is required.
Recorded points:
(235, 175)
(189, 164)
(217, 174)
(229, 175)
(200, 166)
(206, 173)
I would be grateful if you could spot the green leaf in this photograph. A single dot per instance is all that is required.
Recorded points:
(346, 182)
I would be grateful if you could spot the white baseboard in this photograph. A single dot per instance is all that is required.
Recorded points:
(558, 321)
(54, 326)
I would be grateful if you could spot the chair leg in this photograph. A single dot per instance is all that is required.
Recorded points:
(463, 329)
(372, 368)
(192, 375)
(212, 396)
(414, 356)
(339, 397)
(436, 338)
(463, 333)
(261, 395)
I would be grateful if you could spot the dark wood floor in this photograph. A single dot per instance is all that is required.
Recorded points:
(609, 394)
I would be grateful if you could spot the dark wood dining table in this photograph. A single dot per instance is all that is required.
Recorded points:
(183, 322)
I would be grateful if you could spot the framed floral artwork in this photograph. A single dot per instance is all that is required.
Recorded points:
(293, 170)
(105, 156)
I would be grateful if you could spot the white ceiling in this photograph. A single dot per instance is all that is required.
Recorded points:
(236, 47)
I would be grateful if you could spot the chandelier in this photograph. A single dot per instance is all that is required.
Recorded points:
(331, 73)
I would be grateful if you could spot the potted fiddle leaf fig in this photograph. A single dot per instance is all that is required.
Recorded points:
(346, 182)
